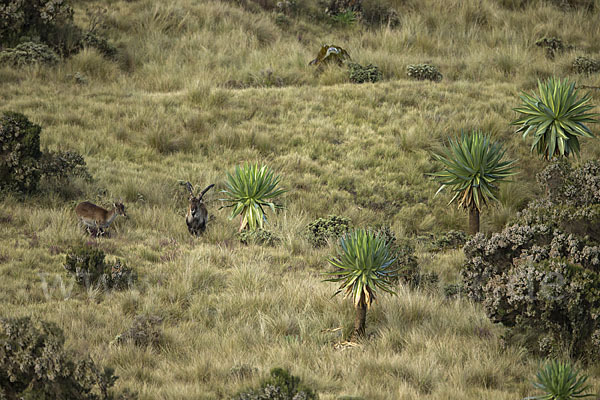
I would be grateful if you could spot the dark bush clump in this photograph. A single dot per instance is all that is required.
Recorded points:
(87, 265)
(406, 262)
(22, 164)
(322, 230)
(376, 12)
(99, 43)
(258, 236)
(28, 53)
(46, 21)
(63, 165)
(423, 72)
(360, 74)
(281, 385)
(19, 153)
(552, 46)
(450, 240)
(586, 65)
(35, 365)
(145, 331)
(540, 276)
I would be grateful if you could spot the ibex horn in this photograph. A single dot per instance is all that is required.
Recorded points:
(190, 188)
(206, 190)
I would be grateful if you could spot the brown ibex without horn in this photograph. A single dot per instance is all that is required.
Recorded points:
(94, 217)
(197, 215)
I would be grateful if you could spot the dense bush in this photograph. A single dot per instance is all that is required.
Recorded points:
(322, 230)
(423, 72)
(258, 236)
(586, 65)
(87, 265)
(450, 240)
(22, 164)
(281, 385)
(406, 262)
(552, 46)
(376, 12)
(28, 53)
(19, 153)
(35, 365)
(93, 40)
(360, 74)
(540, 276)
(144, 331)
(63, 165)
(47, 21)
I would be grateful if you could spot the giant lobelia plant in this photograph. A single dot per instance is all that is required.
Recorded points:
(248, 191)
(473, 166)
(555, 118)
(364, 265)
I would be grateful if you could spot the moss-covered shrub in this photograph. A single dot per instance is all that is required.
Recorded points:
(323, 230)
(586, 65)
(87, 265)
(144, 331)
(258, 236)
(28, 53)
(19, 153)
(540, 275)
(35, 365)
(552, 46)
(281, 385)
(423, 72)
(360, 74)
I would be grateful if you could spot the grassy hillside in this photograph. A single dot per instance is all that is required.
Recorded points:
(202, 86)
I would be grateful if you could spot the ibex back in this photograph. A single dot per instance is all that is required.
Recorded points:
(96, 217)
(197, 214)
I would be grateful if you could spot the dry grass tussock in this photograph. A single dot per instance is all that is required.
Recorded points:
(189, 97)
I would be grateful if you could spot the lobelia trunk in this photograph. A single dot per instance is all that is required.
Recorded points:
(360, 320)
(473, 221)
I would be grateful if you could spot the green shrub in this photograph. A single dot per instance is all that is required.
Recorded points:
(360, 74)
(540, 276)
(406, 262)
(47, 21)
(35, 365)
(144, 331)
(28, 53)
(61, 166)
(99, 43)
(337, 7)
(19, 153)
(281, 385)
(22, 164)
(258, 236)
(423, 72)
(453, 290)
(87, 265)
(586, 65)
(552, 46)
(450, 240)
(323, 230)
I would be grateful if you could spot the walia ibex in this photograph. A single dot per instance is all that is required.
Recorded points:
(197, 215)
(95, 218)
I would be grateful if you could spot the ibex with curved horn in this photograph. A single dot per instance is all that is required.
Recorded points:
(197, 215)
(98, 218)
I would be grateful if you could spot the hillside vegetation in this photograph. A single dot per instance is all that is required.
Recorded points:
(198, 87)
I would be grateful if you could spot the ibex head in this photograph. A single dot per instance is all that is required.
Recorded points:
(197, 215)
(120, 208)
